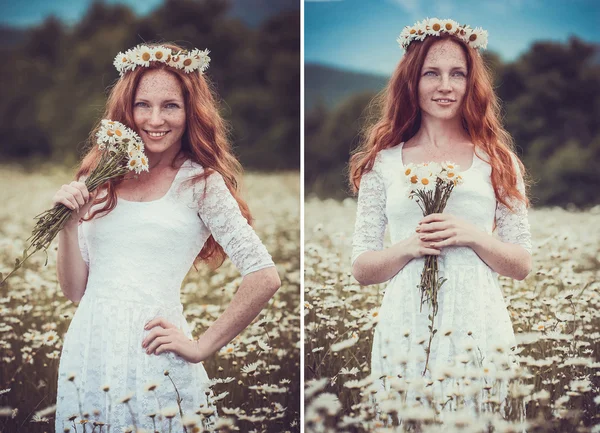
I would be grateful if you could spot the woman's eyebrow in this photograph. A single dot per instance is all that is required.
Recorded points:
(437, 69)
(164, 102)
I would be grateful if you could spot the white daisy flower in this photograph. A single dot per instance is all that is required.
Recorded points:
(449, 26)
(50, 338)
(190, 64)
(202, 57)
(435, 26)
(421, 29)
(481, 38)
(448, 165)
(161, 54)
(176, 61)
(143, 55)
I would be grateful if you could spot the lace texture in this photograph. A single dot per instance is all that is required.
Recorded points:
(221, 214)
(471, 303)
(138, 256)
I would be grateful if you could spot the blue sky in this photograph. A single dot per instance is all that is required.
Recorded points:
(361, 34)
(31, 12)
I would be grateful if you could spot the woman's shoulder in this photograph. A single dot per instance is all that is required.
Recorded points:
(388, 158)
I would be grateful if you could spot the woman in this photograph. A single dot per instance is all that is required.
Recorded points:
(125, 263)
(440, 106)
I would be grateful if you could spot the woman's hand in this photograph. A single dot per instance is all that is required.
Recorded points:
(443, 230)
(76, 197)
(166, 337)
(417, 248)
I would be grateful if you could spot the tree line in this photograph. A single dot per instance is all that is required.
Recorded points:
(54, 79)
(551, 106)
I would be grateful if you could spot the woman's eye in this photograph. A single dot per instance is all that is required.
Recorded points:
(172, 105)
(140, 104)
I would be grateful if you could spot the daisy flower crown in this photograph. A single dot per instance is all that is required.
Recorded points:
(142, 55)
(475, 38)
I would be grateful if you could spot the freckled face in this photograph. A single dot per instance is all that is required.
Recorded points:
(159, 111)
(443, 76)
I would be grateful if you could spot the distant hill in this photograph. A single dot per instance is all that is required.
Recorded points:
(332, 85)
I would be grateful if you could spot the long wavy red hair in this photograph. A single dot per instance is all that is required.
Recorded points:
(205, 140)
(399, 119)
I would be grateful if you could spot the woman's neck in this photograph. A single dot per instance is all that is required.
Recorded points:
(440, 134)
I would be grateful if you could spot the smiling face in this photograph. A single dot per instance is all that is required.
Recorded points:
(159, 111)
(443, 76)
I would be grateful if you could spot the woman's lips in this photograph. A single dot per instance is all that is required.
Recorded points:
(154, 136)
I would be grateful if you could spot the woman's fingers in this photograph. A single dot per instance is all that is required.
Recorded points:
(84, 191)
(156, 332)
(159, 321)
(76, 192)
(436, 236)
(67, 199)
(156, 343)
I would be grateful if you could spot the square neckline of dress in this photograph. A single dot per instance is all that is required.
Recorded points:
(179, 170)
(473, 162)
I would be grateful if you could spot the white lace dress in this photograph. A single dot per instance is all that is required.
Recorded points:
(138, 256)
(469, 301)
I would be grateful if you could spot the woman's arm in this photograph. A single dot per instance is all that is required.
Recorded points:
(443, 230)
(71, 260)
(221, 214)
(509, 256)
(510, 260)
(375, 267)
(371, 263)
(253, 294)
(71, 269)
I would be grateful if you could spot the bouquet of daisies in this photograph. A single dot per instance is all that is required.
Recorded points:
(431, 185)
(122, 151)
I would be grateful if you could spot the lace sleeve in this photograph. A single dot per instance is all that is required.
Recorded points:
(371, 219)
(220, 212)
(83, 245)
(513, 227)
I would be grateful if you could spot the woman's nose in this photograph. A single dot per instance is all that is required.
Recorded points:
(156, 117)
(445, 83)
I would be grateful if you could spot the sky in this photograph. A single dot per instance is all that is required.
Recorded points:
(361, 35)
(32, 12)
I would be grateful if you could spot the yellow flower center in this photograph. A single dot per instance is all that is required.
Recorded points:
(187, 62)
(146, 57)
(436, 27)
(450, 174)
(472, 37)
(124, 59)
(144, 161)
(118, 133)
(448, 26)
(229, 350)
(132, 163)
(413, 31)
(414, 179)
(159, 55)
(174, 59)
(109, 133)
(425, 181)
(408, 171)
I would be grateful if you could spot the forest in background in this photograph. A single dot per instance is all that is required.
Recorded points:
(54, 78)
(551, 106)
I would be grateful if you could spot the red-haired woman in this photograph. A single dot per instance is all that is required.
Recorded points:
(440, 106)
(125, 262)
